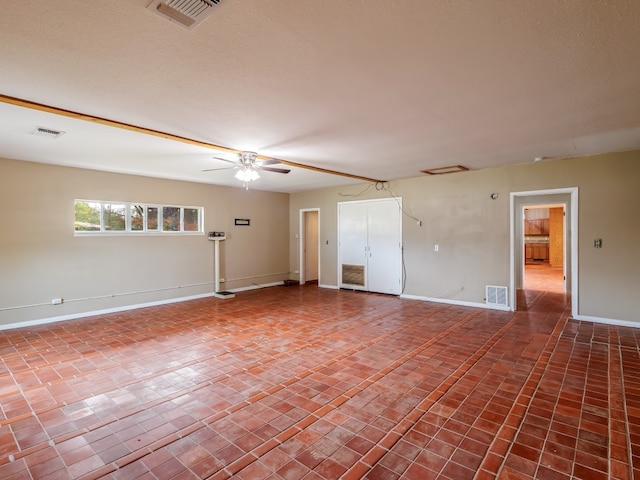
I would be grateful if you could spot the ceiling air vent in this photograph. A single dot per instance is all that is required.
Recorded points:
(443, 170)
(47, 132)
(186, 13)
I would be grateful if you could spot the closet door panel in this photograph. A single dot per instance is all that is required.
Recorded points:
(352, 234)
(384, 252)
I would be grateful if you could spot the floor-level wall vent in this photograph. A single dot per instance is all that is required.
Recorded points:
(496, 296)
(353, 274)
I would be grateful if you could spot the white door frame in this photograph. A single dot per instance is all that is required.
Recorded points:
(301, 244)
(573, 225)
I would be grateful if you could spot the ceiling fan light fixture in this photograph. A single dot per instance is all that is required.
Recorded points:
(247, 158)
(247, 167)
(247, 174)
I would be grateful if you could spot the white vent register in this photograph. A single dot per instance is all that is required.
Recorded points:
(47, 133)
(186, 13)
(496, 296)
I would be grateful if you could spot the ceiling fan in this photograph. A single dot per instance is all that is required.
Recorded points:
(248, 165)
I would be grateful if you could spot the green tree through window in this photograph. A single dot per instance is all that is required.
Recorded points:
(88, 216)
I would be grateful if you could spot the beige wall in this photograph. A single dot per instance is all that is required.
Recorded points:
(41, 259)
(472, 230)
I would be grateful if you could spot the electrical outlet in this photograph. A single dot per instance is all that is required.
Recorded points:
(436, 248)
(57, 301)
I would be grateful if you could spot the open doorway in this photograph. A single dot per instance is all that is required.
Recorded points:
(544, 247)
(567, 199)
(309, 246)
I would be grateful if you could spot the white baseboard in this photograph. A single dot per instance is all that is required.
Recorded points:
(93, 313)
(254, 287)
(439, 300)
(456, 302)
(75, 316)
(608, 321)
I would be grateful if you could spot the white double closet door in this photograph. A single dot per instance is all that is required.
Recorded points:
(370, 245)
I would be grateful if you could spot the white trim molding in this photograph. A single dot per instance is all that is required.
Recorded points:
(93, 313)
(459, 303)
(607, 321)
(255, 287)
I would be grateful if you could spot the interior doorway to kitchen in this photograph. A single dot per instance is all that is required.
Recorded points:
(544, 248)
(521, 292)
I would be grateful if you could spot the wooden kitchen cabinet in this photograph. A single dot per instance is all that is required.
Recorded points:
(536, 252)
(537, 226)
(541, 251)
(528, 252)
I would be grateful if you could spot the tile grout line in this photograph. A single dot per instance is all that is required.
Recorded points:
(112, 366)
(8, 421)
(167, 398)
(573, 339)
(275, 388)
(232, 469)
(616, 371)
(275, 382)
(378, 451)
(584, 395)
(521, 405)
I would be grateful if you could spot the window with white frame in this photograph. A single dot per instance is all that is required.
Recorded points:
(94, 216)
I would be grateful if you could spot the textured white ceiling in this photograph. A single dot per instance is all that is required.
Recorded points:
(381, 89)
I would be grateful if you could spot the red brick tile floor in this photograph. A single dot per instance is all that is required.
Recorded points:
(304, 382)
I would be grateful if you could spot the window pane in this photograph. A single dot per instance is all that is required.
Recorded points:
(137, 218)
(191, 219)
(98, 216)
(87, 216)
(115, 217)
(171, 219)
(152, 218)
